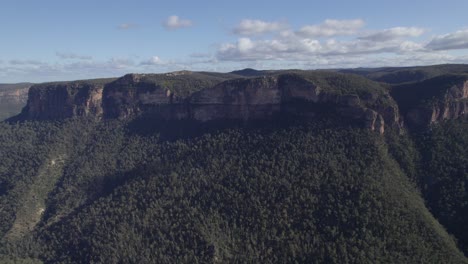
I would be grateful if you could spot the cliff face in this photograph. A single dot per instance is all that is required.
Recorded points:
(18, 96)
(131, 95)
(187, 96)
(13, 98)
(451, 103)
(244, 99)
(59, 101)
(264, 97)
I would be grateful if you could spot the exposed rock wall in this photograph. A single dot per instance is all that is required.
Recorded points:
(59, 101)
(239, 99)
(453, 105)
(13, 98)
(19, 96)
(129, 96)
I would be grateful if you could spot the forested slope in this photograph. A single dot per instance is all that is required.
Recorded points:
(323, 191)
(247, 167)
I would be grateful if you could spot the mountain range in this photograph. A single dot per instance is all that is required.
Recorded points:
(292, 166)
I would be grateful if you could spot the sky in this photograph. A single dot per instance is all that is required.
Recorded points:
(55, 40)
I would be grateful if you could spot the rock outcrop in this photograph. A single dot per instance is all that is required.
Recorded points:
(131, 95)
(264, 97)
(243, 99)
(452, 103)
(17, 95)
(246, 99)
(64, 100)
(13, 98)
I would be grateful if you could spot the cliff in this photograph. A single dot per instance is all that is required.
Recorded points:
(13, 98)
(292, 94)
(14, 93)
(434, 100)
(134, 94)
(206, 97)
(65, 100)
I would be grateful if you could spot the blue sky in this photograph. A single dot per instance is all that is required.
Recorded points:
(52, 40)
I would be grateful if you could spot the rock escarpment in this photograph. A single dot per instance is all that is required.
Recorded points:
(64, 100)
(13, 98)
(202, 98)
(17, 95)
(264, 97)
(434, 100)
(454, 105)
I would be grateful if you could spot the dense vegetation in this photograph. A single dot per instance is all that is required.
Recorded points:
(303, 192)
(399, 75)
(181, 83)
(287, 190)
(444, 176)
(426, 93)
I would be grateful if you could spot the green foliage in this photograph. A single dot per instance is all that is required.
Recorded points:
(321, 191)
(316, 192)
(400, 75)
(444, 176)
(183, 83)
(426, 93)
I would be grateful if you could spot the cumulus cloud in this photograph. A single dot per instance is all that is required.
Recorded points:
(455, 40)
(321, 41)
(175, 22)
(127, 26)
(394, 33)
(298, 48)
(72, 56)
(332, 27)
(155, 60)
(302, 49)
(257, 27)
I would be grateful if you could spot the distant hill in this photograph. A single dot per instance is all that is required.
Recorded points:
(397, 75)
(248, 72)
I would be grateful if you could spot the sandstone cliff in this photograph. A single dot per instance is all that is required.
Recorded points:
(206, 97)
(293, 94)
(65, 100)
(17, 95)
(13, 98)
(434, 100)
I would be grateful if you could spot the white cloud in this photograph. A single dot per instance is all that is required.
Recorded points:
(301, 49)
(175, 22)
(155, 60)
(394, 33)
(257, 27)
(72, 56)
(332, 27)
(127, 26)
(331, 44)
(321, 41)
(451, 41)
